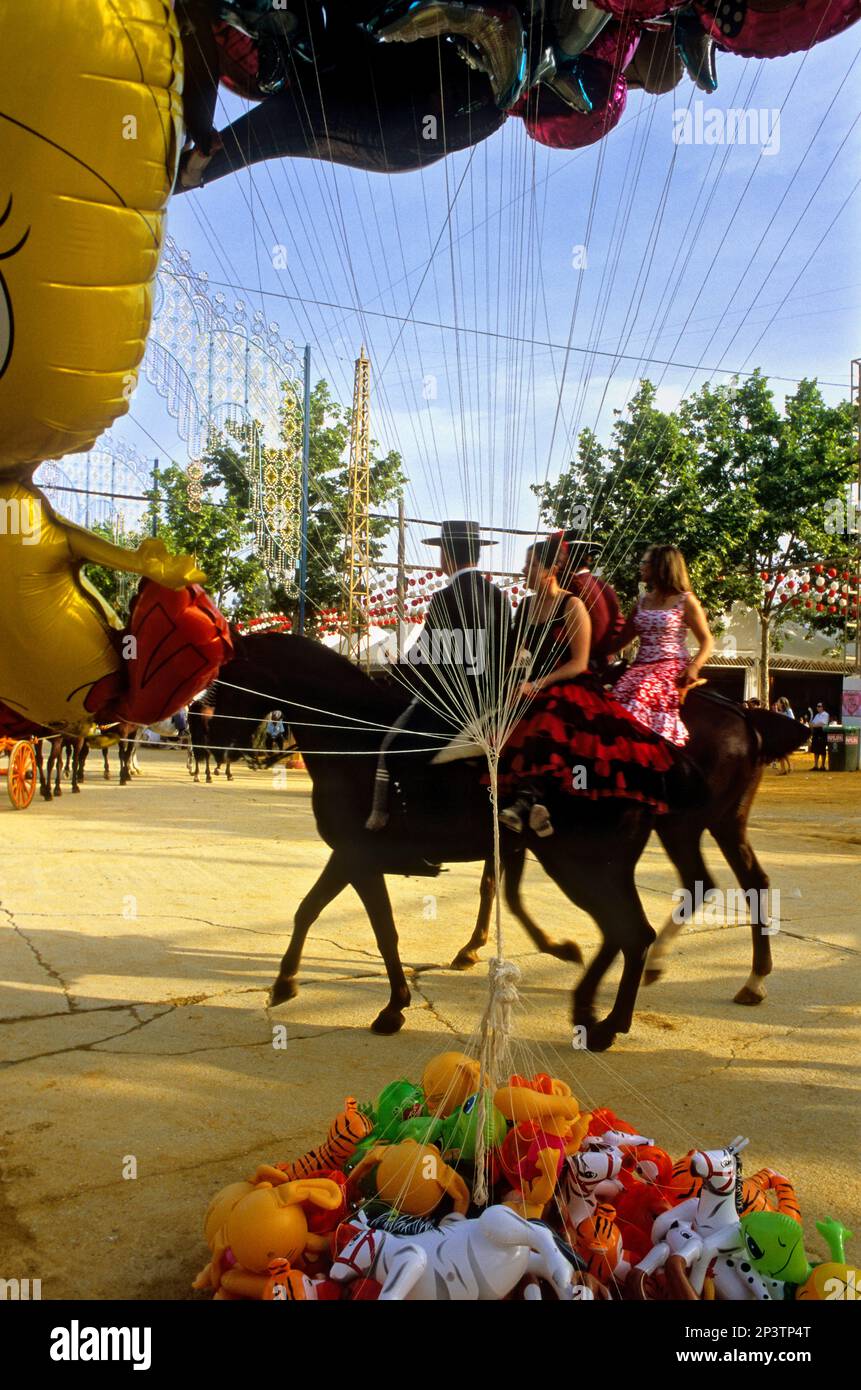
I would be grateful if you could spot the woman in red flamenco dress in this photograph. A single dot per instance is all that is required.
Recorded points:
(574, 740)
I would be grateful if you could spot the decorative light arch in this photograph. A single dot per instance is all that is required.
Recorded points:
(214, 363)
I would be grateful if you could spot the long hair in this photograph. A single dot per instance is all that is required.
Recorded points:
(558, 553)
(669, 571)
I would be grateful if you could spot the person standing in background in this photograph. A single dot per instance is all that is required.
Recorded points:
(819, 741)
(275, 731)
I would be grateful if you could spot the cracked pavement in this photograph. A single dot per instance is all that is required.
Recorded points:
(141, 928)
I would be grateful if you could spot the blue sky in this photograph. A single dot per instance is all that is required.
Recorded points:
(707, 255)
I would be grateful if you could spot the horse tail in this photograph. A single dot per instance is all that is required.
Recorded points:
(776, 735)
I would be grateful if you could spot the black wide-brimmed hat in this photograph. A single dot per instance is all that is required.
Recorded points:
(459, 533)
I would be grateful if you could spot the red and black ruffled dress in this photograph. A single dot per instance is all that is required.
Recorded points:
(576, 741)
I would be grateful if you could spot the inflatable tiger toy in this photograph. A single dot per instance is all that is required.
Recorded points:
(769, 1191)
(346, 1132)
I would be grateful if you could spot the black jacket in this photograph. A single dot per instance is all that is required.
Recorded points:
(460, 660)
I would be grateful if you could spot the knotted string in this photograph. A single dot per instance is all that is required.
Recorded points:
(496, 1022)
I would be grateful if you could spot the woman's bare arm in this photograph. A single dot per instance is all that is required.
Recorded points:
(626, 635)
(696, 620)
(578, 632)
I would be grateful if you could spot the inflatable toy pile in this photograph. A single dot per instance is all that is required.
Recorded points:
(581, 1208)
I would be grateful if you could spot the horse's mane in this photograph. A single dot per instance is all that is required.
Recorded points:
(351, 689)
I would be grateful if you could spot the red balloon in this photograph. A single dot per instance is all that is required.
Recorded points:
(817, 569)
(763, 574)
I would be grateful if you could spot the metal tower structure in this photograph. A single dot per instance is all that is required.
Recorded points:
(357, 580)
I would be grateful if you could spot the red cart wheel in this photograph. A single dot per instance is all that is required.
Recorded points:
(22, 775)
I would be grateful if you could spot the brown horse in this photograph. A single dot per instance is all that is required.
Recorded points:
(440, 815)
(732, 747)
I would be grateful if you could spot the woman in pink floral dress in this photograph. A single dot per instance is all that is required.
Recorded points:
(653, 686)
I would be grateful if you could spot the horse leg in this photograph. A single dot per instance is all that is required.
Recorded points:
(332, 881)
(77, 764)
(512, 879)
(467, 956)
(731, 836)
(106, 766)
(46, 774)
(196, 776)
(208, 773)
(682, 841)
(228, 774)
(606, 890)
(374, 895)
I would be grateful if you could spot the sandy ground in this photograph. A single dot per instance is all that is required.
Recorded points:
(140, 929)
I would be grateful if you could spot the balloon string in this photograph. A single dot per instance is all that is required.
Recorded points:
(495, 1031)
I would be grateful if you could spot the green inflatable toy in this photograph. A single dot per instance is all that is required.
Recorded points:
(775, 1246)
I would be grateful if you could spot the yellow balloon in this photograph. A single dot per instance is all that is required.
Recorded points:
(90, 132)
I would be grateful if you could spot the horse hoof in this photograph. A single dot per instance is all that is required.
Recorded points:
(651, 977)
(464, 960)
(282, 990)
(600, 1037)
(107, 776)
(388, 1021)
(76, 789)
(748, 996)
(567, 950)
(208, 778)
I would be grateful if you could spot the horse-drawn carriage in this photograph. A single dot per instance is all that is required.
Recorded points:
(21, 770)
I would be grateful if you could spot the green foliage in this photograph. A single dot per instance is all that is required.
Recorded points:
(739, 486)
(118, 588)
(329, 495)
(221, 534)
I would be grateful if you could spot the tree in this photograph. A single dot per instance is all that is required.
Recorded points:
(742, 488)
(328, 474)
(221, 532)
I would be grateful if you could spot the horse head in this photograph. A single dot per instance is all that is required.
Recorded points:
(718, 1168)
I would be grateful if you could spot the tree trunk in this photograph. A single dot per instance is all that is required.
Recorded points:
(764, 643)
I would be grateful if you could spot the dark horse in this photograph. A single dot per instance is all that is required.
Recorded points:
(731, 746)
(440, 815)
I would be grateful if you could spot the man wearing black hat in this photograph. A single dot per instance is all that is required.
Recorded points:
(457, 668)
